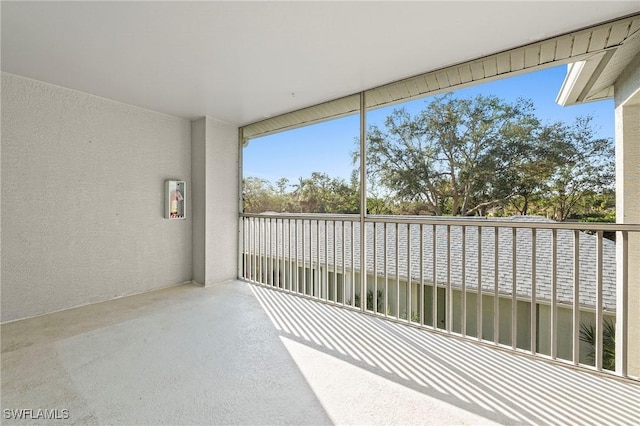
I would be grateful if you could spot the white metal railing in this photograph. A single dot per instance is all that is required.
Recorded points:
(524, 285)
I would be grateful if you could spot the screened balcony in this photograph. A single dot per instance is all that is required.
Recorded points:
(563, 292)
(112, 314)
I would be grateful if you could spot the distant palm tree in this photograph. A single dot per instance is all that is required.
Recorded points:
(588, 335)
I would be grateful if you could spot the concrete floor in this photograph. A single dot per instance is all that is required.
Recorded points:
(241, 354)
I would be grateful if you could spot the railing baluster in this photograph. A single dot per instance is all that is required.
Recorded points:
(599, 318)
(290, 256)
(434, 277)
(496, 281)
(344, 266)
(265, 257)
(278, 248)
(297, 252)
(271, 254)
(335, 263)
(249, 242)
(243, 250)
(353, 265)
(449, 310)
(266, 249)
(259, 258)
(514, 290)
(386, 271)
(554, 293)
(463, 278)
(325, 275)
(283, 260)
(304, 255)
(363, 265)
(408, 285)
(313, 259)
(258, 250)
(421, 303)
(255, 249)
(534, 303)
(576, 297)
(375, 268)
(318, 281)
(479, 299)
(397, 313)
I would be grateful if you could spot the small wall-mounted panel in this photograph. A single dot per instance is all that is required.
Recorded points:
(175, 205)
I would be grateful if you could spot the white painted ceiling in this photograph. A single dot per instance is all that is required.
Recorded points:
(244, 61)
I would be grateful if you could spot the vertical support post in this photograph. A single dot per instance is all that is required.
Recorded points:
(627, 151)
(241, 233)
(363, 202)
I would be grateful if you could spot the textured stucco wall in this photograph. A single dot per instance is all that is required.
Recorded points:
(198, 194)
(627, 101)
(222, 201)
(215, 210)
(82, 197)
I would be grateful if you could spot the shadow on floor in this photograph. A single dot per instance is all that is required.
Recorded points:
(498, 386)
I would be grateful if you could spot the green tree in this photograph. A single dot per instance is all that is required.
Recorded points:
(447, 156)
(321, 193)
(258, 195)
(466, 156)
(587, 167)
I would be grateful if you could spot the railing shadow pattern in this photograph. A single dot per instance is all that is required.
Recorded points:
(498, 385)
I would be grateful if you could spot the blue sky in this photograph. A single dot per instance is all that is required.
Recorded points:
(327, 147)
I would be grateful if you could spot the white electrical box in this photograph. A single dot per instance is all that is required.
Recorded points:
(175, 204)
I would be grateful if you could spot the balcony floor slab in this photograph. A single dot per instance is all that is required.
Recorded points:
(236, 353)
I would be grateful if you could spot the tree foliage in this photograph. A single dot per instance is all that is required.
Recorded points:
(318, 193)
(466, 156)
(462, 156)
